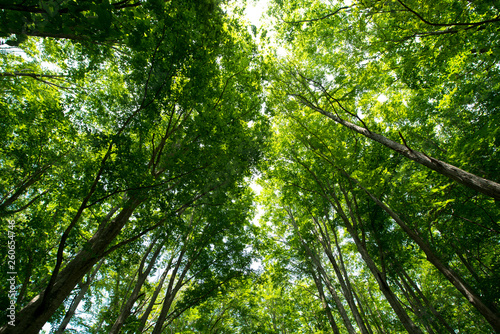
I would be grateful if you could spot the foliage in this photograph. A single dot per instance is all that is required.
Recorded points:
(131, 132)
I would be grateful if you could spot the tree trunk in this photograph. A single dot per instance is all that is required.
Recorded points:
(415, 305)
(326, 307)
(487, 187)
(141, 278)
(489, 314)
(380, 326)
(326, 243)
(322, 274)
(379, 277)
(35, 314)
(147, 312)
(171, 292)
(76, 301)
(348, 283)
(438, 316)
(363, 312)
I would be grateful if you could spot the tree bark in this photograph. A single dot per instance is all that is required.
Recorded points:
(326, 307)
(438, 316)
(76, 301)
(415, 305)
(377, 274)
(35, 314)
(171, 292)
(348, 283)
(325, 242)
(322, 274)
(472, 181)
(147, 312)
(490, 314)
(141, 278)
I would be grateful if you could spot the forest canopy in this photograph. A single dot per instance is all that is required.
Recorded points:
(133, 132)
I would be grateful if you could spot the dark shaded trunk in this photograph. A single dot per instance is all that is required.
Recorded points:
(415, 305)
(36, 313)
(348, 283)
(330, 195)
(171, 292)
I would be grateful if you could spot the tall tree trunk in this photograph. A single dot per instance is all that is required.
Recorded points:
(326, 307)
(161, 281)
(330, 195)
(141, 278)
(325, 241)
(490, 314)
(35, 314)
(487, 187)
(78, 298)
(171, 292)
(438, 316)
(348, 283)
(418, 309)
(365, 316)
(376, 317)
(379, 277)
(322, 274)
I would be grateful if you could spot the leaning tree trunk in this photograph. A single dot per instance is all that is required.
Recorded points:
(415, 305)
(172, 291)
(379, 277)
(326, 243)
(326, 307)
(436, 314)
(322, 274)
(489, 314)
(76, 301)
(141, 278)
(161, 281)
(348, 283)
(485, 186)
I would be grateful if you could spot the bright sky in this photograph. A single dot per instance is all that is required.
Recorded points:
(254, 11)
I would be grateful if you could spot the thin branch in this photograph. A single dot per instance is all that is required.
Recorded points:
(319, 18)
(497, 19)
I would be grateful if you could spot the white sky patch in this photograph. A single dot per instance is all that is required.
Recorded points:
(382, 98)
(255, 11)
(259, 209)
(46, 328)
